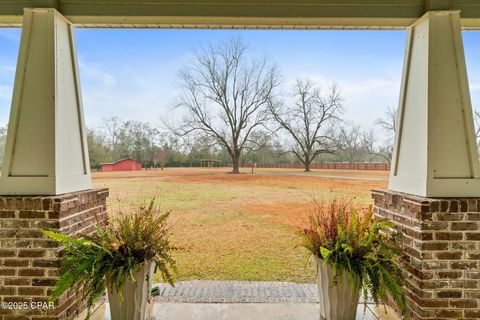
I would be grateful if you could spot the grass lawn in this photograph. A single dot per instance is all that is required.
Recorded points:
(237, 227)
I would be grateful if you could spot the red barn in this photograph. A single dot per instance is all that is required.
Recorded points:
(122, 165)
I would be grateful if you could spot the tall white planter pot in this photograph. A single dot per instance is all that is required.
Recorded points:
(131, 304)
(337, 302)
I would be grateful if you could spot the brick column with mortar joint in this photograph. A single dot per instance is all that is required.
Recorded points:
(29, 263)
(441, 252)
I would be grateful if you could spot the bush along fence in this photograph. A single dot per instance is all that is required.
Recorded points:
(328, 165)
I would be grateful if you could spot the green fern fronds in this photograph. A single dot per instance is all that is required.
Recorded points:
(113, 254)
(352, 241)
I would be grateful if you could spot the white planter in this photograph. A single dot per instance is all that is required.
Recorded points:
(337, 302)
(132, 304)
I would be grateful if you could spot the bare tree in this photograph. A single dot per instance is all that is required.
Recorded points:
(352, 142)
(308, 120)
(113, 127)
(225, 96)
(389, 121)
(389, 124)
(160, 157)
(384, 153)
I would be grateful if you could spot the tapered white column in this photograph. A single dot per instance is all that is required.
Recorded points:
(46, 150)
(435, 153)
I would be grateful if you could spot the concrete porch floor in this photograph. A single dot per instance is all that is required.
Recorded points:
(245, 300)
(242, 311)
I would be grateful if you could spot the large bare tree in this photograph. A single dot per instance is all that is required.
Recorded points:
(225, 95)
(308, 120)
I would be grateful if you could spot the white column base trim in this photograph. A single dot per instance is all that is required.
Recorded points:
(50, 186)
(435, 188)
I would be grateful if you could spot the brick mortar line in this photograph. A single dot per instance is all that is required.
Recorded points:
(76, 214)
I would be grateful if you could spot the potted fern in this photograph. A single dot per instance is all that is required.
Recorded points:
(120, 257)
(353, 253)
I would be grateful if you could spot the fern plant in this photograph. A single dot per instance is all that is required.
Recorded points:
(114, 253)
(351, 240)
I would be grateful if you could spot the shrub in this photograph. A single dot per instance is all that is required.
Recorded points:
(113, 253)
(351, 240)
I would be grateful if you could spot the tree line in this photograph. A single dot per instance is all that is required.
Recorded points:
(154, 146)
(117, 139)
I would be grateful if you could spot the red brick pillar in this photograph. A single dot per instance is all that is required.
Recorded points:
(441, 252)
(29, 262)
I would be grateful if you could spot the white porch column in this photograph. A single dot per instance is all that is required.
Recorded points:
(46, 150)
(435, 153)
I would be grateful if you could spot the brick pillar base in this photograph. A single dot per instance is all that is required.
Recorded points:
(441, 252)
(29, 262)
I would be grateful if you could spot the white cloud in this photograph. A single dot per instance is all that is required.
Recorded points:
(126, 92)
(93, 73)
(474, 86)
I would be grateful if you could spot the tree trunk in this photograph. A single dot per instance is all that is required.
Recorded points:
(236, 163)
(307, 167)
(306, 164)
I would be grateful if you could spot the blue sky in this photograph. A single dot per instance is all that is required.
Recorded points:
(132, 73)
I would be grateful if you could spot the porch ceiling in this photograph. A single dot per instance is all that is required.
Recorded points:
(288, 14)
